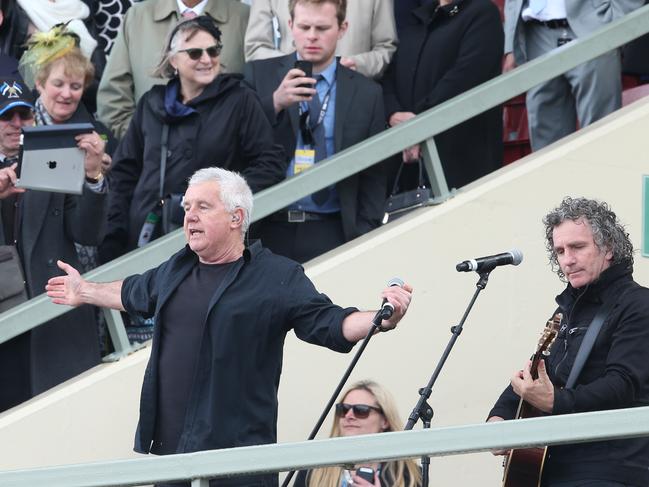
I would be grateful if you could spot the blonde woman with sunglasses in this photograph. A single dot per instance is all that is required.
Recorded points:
(365, 408)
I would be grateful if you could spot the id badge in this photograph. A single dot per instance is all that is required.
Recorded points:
(304, 159)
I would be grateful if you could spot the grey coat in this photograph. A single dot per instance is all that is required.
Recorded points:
(55, 351)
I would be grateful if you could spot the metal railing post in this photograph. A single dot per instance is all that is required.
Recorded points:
(118, 336)
(434, 170)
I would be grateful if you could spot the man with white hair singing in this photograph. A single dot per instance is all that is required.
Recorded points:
(222, 311)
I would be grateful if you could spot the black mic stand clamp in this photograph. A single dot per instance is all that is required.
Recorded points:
(422, 409)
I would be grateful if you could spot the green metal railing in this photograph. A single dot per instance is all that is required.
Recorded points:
(455, 440)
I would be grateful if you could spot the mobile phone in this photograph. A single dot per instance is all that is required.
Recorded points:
(366, 473)
(307, 67)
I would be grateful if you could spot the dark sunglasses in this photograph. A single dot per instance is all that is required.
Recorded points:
(195, 53)
(361, 411)
(23, 113)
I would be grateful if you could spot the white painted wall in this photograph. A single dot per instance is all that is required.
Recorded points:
(94, 417)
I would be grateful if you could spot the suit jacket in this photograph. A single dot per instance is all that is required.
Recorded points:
(584, 17)
(370, 40)
(359, 115)
(138, 49)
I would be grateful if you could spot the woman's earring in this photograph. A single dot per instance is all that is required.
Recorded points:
(176, 72)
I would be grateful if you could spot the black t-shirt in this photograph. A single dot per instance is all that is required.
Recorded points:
(183, 321)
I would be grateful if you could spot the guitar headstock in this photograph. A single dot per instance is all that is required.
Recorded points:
(548, 336)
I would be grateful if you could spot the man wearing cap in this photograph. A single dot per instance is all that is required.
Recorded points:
(16, 111)
(128, 71)
(582, 95)
(43, 226)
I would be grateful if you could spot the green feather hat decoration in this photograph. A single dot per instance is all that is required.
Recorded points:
(45, 47)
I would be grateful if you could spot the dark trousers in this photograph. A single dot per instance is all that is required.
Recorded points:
(299, 241)
(15, 371)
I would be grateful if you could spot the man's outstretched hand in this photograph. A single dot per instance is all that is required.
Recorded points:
(65, 289)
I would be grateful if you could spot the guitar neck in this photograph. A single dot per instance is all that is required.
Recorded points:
(534, 368)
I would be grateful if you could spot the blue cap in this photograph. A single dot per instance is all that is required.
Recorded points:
(14, 93)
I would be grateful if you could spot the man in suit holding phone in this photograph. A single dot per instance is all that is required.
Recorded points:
(314, 115)
(584, 94)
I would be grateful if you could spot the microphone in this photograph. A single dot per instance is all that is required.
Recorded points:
(484, 264)
(387, 309)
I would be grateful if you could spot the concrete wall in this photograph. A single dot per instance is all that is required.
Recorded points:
(94, 417)
(91, 417)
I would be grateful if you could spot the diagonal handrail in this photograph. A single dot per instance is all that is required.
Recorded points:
(363, 155)
(440, 441)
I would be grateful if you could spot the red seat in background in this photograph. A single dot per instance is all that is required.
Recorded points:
(634, 93)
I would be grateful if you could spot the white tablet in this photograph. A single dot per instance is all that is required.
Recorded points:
(50, 159)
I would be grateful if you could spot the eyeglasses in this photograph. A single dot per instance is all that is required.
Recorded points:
(195, 53)
(23, 113)
(361, 411)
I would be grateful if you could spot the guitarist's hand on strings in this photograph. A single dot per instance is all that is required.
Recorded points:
(537, 392)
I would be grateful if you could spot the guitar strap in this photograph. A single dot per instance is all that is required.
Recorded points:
(589, 339)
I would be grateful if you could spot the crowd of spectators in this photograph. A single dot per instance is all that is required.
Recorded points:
(179, 85)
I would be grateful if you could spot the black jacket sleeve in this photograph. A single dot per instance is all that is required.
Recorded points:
(390, 97)
(85, 216)
(373, 180)
(506, 405)
(123, 177)
(140, 291)
(312, 315)
(265, 161)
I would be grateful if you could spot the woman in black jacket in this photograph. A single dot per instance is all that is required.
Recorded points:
(449, 47)
(209, 119)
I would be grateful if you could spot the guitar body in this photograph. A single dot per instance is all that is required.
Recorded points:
(524, 466)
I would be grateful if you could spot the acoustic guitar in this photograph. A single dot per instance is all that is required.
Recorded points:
(523, 466)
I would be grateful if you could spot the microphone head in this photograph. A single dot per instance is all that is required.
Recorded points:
(395, 281)
(517, 256)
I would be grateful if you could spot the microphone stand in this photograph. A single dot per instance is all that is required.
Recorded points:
(376, 326)
(422, 409)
